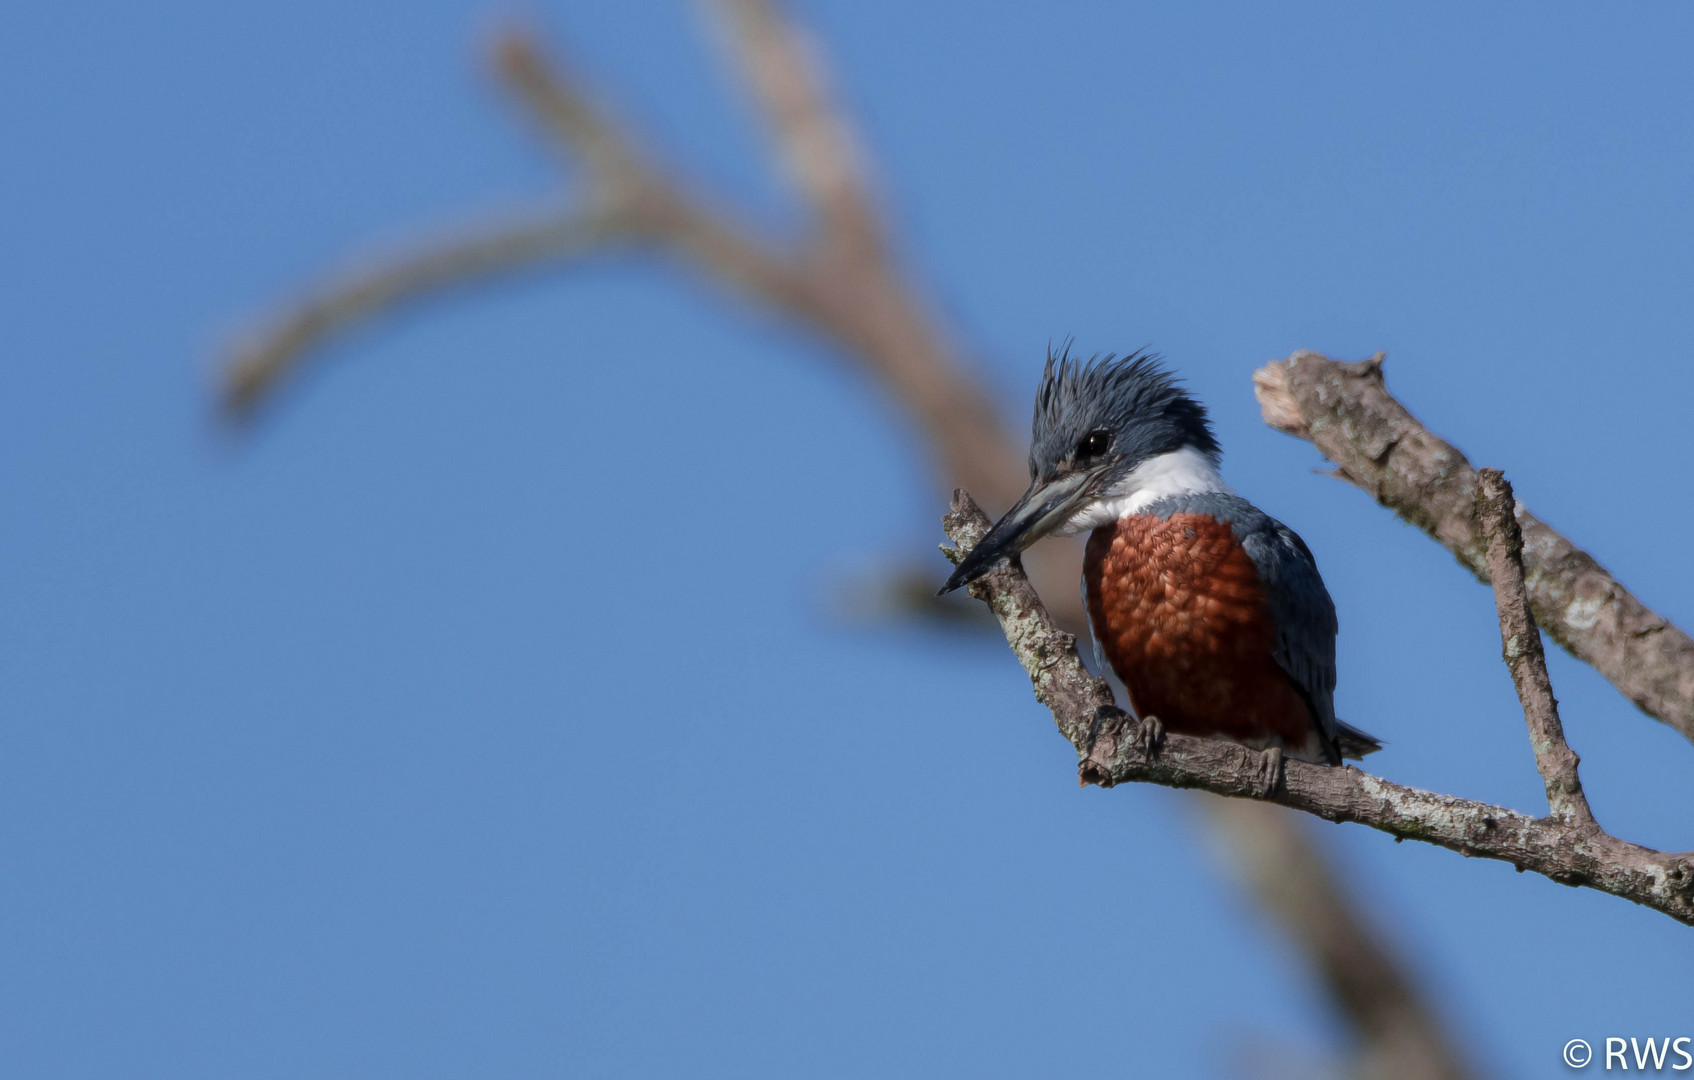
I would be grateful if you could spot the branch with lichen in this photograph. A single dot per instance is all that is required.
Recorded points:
(1346, 411)
(1520, 647)
(1567, 851)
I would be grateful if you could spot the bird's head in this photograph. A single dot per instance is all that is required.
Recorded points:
(1111, 435)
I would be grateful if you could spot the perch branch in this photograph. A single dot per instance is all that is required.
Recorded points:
(1571, 853)
(1377, 445)
(1520, 645)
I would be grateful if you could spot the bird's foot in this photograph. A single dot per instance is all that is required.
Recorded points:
(1147, 735)
(1107, 718)
(1269, 771)
(1150, 735)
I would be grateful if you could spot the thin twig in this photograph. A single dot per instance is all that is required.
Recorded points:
(1569, 852)
(1376, 444)
(579, 126)
(470, 256)
(1520, 644)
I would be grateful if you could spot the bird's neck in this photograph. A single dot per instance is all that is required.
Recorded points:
(1180, 472)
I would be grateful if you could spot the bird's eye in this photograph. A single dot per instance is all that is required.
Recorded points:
(1094, 444)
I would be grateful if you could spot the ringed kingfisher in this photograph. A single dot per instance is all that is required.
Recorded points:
(1210, 611)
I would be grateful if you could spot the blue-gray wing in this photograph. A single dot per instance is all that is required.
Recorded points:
(1305, 616)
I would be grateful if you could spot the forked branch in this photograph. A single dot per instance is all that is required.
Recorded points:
(837, 282)
(1377, 444)
(1567, 851)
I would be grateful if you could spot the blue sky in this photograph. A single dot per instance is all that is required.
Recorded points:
(485, 712)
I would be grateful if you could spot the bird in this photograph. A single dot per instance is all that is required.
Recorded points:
(1210, 612)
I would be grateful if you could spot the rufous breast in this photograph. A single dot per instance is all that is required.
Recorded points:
(1179, 612)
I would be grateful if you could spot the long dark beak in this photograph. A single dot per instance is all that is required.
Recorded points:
(1043, 508)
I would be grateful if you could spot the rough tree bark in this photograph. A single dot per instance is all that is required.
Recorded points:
(1520, 647)
(1345, 409)
(1571, 851)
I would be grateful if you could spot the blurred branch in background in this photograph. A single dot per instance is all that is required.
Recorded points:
(839, 282)
(1399, 1037)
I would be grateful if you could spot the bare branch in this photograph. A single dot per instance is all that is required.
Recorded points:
(1520, 644)
(817, 145)
(856, 301)
(1046, 652)
(1376, 444)
(474, 256)
(860, 304)
(578, 125)
(1277, 861)
(1571, 853)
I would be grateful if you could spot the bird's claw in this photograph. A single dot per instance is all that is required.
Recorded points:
(1150, 735)
(1106, 718)
(1269, 771)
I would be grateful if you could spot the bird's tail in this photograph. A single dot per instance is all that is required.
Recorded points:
(1353, 743)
